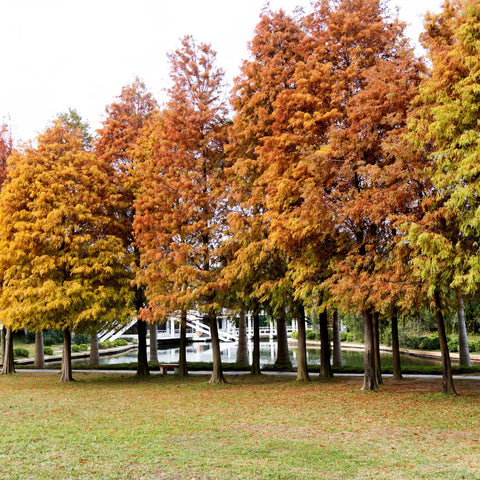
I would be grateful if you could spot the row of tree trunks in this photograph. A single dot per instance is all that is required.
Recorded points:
(372, 377)
(372, 365)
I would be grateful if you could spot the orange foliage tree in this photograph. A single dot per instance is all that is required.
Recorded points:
(115, 145)
(180, 210)
(326, 164)
(258, 271)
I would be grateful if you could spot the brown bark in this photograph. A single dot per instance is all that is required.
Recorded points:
(182, 353)
(39, 361)
(142, 358)
(337, 343)
(463, 350)
(8, 364)
(255, 370)
(376, 346)
(283, 355)
(397, 368)
(370, 378)
(94, 359)
(217, 371)
(447, 377)
(152, 330)
(325, 367)
(66, 373)
(242, 348)
(2, 342)
(302, 367)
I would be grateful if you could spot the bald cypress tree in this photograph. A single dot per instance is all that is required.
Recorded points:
(61, 266)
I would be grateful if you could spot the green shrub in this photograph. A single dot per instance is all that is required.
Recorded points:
(20, 352)
(48, 350)
(425, 342)
(453, 345)
(474, 345)
(119, 342)
(81, 338)
(79, 348)
(343, 336)
(310, 335)
(431, 342)
(350, 337)
(294, 335)
(409, 341)
(104, 345)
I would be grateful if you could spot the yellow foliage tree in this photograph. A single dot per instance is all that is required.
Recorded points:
(60, 266)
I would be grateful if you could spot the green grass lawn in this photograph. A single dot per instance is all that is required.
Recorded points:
(114, 426)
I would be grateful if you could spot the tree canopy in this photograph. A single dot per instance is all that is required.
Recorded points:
(61, 268)
(343, 176)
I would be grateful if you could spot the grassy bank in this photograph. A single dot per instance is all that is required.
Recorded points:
(113, 426)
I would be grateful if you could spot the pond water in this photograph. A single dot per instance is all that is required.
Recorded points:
(202, 352)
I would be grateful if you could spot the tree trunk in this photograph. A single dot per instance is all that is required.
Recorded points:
(376, 346)
(370, 378)
(39, 361)
(152, 328)
(66, 374)
(242, 348)
(397, 368)
(325, 367)
(182, 353)
(142, 356)
(283, 355)
(217, 371)
(447, 378)
(8, 364)
(255, 370)
(463, 349)
(94, 360)
(337, 343)
(3, 333)
(302, 367)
